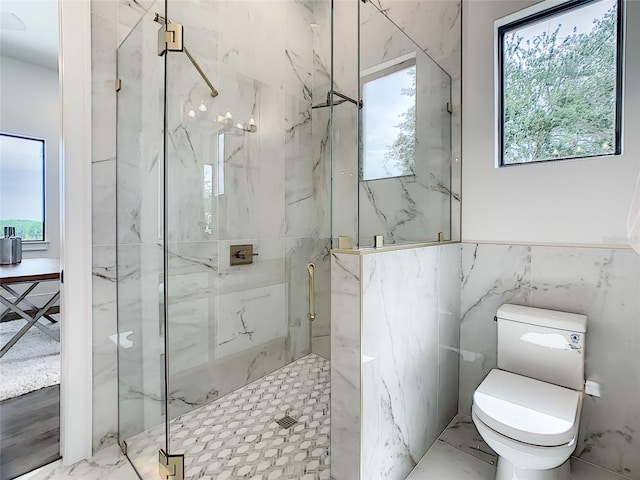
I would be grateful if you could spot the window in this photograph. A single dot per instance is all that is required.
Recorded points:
(22, 186)
(389, 119)
(559, 86)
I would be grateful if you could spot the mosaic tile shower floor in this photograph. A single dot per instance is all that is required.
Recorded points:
(237, 437)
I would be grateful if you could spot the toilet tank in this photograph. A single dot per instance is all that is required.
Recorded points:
(543, 344)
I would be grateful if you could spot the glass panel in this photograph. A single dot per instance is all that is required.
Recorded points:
(140, 116)
(344, 120)
(242, 170)
(409, 199)
(560, 85)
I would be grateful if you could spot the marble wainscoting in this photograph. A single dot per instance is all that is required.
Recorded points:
(346, 360)
(395, 380)
(603, 284)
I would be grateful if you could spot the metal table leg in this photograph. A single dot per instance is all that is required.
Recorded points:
(19, 298)
(22, 298)
(31, 321)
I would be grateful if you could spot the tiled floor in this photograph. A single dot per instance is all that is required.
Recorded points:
(236, 437)
(461, 454)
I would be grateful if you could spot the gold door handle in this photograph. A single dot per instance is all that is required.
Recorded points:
(311, 268)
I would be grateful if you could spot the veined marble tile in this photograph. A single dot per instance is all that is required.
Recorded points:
(105, 8)
(448, 292)
(435, 26)
(203, 384)
(141, 325)
(603, 284)
(300, 252)
(105, 387)
(103, 205)
(448, 463)
(103, 115)
(253, 43)
(250, 318)
(321, 165)
(130, 14)
(491, 275)
(300, 179)
(103, 45)
(299, 47)
(107, 464)
(403, 319)
(201, 21)
(345, 366)
(463, 435)
(268, 267)
(469, 451)
(584, 471)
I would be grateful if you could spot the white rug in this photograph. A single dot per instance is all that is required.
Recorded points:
(32, 363)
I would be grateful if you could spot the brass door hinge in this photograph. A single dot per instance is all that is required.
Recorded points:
(170, 467)
(449, 107)
(118, 85)
(170, 38)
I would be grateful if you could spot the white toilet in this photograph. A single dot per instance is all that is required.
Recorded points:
(528, 409)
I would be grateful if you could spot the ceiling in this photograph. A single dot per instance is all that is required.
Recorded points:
(38, 44)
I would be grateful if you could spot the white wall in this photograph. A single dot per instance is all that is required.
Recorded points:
(30, 106)
(570, 202)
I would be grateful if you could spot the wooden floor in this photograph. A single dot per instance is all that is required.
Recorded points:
(29, 431)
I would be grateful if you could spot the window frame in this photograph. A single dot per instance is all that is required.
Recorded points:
(44, 179)
(389, 67)
(541, 11)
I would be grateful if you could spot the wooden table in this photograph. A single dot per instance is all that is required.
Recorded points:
(32, 271)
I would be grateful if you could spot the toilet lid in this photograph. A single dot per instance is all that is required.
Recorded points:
(527, 410)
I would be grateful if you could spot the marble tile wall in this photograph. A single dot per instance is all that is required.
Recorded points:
(400, 357)
(603, 284)
(346, 358)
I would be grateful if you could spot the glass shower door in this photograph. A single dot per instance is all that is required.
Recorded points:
(140, 268)
(244, 218)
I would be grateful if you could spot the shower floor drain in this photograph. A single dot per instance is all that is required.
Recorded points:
(287, 422)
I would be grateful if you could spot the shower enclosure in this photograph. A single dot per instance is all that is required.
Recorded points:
(227, 182)
(222, 202)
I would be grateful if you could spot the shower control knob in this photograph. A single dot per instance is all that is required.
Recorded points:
(241, 254)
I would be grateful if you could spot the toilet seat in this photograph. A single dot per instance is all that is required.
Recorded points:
(527, 410)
